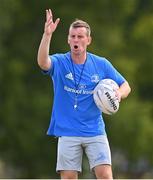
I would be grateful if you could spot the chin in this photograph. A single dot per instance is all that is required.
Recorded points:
(74, 51)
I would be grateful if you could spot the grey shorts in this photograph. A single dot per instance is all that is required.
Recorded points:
(70, 151)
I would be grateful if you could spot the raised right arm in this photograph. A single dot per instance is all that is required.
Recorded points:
(43, 58)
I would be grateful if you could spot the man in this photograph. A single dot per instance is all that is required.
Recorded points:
(76, 120)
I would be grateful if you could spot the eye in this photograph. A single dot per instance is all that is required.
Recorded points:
(72, 36)
(80, 36)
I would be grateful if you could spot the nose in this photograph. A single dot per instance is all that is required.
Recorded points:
(75, 38)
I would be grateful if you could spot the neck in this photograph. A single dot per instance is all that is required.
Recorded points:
(78, 58)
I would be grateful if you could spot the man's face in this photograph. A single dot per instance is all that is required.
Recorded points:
(78, 40)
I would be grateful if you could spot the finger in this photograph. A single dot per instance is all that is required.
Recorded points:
(49, 23)
(49, 19)
(118, 95)
(50, 14)
(47, 15)
(57, 21)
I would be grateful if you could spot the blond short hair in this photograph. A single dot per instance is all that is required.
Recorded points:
(80, 23)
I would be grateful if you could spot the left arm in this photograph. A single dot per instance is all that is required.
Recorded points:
(112, 73)
(123, 91)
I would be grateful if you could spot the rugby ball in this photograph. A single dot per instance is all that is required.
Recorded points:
(104, 96)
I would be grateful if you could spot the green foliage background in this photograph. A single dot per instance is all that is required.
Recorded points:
(122, 31)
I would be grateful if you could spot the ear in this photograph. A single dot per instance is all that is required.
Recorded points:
(89, 40)
(68, 41)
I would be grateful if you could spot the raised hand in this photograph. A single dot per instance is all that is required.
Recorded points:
(50, 26)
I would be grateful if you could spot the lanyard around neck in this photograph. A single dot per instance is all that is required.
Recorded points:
(77, 84)
(74, 74)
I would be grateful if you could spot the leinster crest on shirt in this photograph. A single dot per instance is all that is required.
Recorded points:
(95, 78)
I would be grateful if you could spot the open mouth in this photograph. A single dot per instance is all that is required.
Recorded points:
(75, 46)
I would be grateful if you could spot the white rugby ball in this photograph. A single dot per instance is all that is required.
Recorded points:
(105, 96)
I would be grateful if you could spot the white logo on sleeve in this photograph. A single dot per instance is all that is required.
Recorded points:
(69, 76)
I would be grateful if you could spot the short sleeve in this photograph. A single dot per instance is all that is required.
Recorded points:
(112, 73)
(50, 71)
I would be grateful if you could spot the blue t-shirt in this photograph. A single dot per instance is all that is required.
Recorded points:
(86, 120)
